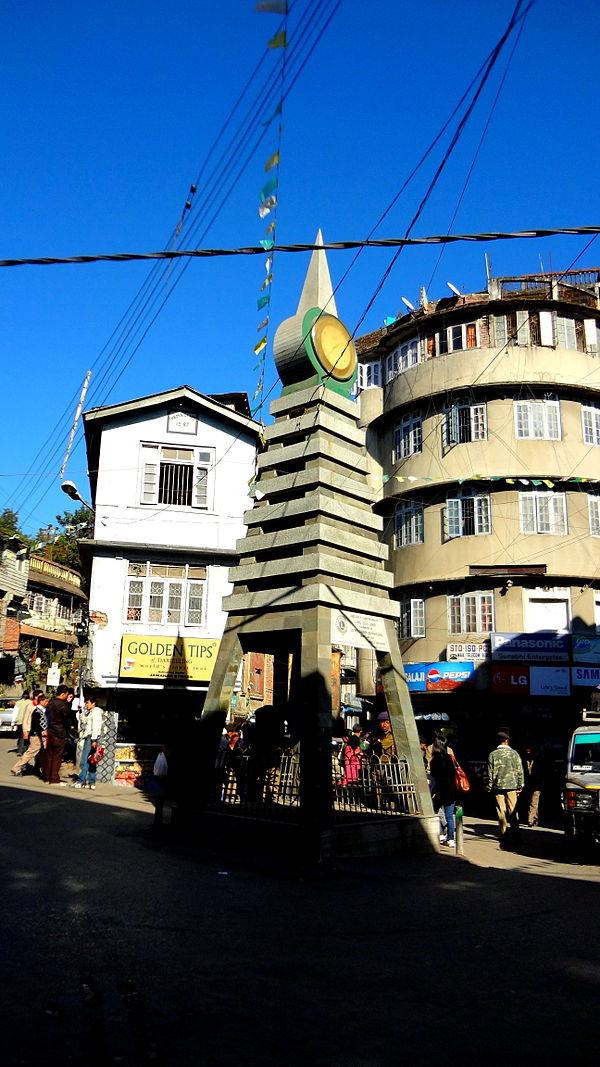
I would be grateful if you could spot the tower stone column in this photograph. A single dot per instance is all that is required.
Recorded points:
(313, 565)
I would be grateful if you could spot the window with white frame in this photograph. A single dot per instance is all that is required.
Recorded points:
(176, 476)
(408, 436)
(467, 513)
(590, 417)
(537, 419)
(369, 374)
(408, 523)
(165, 593)
(471, 613)
(569, 333)
(463, 421)
(543, 512)
(463, 336)
(412, 618)
(594, 513)
(404, 356)
(512, 328)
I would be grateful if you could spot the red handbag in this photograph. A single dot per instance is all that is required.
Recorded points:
(461, 781)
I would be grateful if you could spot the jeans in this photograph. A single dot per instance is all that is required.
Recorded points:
(85, 771)
(450, 821)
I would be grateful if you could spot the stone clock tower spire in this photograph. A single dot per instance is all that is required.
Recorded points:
(311, 575)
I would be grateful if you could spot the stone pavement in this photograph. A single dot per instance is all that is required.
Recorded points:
(123, 946)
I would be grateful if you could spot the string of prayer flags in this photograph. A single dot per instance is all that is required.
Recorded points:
(268, 197)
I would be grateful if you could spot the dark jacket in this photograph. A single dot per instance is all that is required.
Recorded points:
(443, 773)
(58, 717)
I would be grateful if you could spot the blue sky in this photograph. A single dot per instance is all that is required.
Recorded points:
(109, 113)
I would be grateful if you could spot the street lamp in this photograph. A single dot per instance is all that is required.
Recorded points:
(71, 490)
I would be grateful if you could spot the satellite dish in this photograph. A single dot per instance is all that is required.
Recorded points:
(453, 289)
(411, 307)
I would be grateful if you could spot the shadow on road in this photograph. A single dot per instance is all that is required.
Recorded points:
(121, 947)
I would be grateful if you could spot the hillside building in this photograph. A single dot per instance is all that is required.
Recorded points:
(169, 476)
(483, 412)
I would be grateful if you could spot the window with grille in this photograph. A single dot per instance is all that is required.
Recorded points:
(467, 513)
(176, 476)
(464, 421)
(412, 618)
(590, 416)
(408, 523)
(537, 419)
(408, 436)
(594, 513)
(471, 613)
(543, 512)
(165, 593)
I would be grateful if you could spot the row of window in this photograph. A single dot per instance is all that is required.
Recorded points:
(465, 421)
(163, 593)
(473, 613)
(469, 613)
(52, 607)
(469, 513)
(536, 328)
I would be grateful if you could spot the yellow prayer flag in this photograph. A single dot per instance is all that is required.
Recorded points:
(261, 344)
(272, 161)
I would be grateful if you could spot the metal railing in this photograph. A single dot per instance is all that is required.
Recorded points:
(380, 787)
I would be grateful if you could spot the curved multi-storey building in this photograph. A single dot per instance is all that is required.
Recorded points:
(484, 419)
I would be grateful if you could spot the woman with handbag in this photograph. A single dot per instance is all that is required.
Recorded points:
(443, 772)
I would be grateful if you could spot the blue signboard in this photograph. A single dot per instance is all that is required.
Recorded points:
(438, 677)
(530, 648)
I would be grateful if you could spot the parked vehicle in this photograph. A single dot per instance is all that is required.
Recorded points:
(8, 716)
(581, 795)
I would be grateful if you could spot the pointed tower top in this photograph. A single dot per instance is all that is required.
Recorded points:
(318, 290)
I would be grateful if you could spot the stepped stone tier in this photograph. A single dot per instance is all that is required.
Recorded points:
(313, 570)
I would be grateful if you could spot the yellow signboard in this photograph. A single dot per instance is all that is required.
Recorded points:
(177, 659)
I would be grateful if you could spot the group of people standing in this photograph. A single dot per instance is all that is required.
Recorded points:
(46, 723)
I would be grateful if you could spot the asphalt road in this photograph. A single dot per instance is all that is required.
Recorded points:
(123, 947)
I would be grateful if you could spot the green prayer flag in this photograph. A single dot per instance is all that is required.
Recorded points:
(278, 41)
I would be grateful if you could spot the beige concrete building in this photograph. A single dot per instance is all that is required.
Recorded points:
(484, 432)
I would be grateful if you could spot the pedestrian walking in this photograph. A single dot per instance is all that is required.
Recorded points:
(90, 728)
(34, 722)
(532, 766)
(21, 706)
(443, 774)
(58, 716)
(504, 777)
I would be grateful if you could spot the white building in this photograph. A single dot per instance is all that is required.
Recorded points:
(169, 477)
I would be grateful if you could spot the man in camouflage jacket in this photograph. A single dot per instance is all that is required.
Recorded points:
(504, 778)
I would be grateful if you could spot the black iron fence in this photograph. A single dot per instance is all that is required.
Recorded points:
(378, 787)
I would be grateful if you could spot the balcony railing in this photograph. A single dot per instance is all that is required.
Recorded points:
(54, 570)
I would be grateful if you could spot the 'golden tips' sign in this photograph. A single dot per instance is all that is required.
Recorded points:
(177, 659)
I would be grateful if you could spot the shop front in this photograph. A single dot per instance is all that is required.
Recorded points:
(156, 699)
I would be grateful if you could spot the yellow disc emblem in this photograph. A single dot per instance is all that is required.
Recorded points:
(334, 347)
